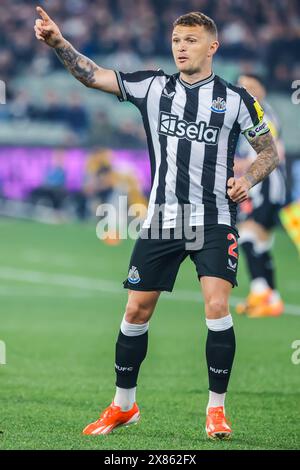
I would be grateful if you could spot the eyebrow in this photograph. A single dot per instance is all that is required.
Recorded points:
(186, 37)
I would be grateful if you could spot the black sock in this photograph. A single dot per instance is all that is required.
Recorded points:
(259, 264)
(130, 353)
(220, 350)
(268, 268)
(254, 262)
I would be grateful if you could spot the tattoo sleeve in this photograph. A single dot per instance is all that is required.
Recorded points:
(266, 161)
(80, 66)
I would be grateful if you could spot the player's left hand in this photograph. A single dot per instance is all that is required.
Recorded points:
(238, 189)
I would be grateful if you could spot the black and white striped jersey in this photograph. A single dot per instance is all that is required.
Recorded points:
(192, 132)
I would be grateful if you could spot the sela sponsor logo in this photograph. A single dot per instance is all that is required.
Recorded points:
(218, 105)
(133, 276)
(218, 371)
(168, 95)
(123, 369)
(171, 125)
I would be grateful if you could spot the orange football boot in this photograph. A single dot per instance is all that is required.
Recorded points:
(111, 418)
(253, 301)
(270, 309)
(216, 424)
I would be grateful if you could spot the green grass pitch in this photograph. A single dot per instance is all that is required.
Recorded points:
(61, 305)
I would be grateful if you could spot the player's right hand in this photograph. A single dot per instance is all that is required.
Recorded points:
(46, 30)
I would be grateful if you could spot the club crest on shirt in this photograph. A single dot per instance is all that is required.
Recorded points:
(133, 275)
(218, 105)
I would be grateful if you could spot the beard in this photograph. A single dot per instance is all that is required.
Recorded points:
(190, 69)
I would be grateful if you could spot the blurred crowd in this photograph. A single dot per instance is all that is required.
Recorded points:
(101, 182)
(132, 32)
(256, 29)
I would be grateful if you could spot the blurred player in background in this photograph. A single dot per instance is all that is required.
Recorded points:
(258, 216)
(192, 121)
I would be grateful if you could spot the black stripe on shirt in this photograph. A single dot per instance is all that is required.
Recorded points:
(165, 106)
(144, 113)
(210, 159)
(231, 146)
(184, 147)
(248, 101)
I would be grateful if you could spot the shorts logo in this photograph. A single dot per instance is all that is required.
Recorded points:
(133, 276)
(171, 125)
(231, 265)
(218, 105)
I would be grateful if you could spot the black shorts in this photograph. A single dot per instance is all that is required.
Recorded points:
(154, 263)
(266, 200)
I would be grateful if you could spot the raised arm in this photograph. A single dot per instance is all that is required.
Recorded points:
(267, 160)
(83, 69)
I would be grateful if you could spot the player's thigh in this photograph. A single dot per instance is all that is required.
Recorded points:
(140, 306)
(216, 292)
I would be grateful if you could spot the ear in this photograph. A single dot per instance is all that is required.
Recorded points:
(214, 46)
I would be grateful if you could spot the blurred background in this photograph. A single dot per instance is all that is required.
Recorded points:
(56, 136)
(65, 149)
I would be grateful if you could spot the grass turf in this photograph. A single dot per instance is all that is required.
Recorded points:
(60, 329)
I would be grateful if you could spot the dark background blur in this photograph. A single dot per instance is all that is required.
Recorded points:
(47, 109)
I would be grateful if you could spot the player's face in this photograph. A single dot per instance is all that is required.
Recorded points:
(253, 86)
(193, 48)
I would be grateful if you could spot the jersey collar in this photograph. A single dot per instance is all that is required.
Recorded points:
(199, 83)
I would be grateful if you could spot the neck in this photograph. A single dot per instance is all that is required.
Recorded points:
(195, 77)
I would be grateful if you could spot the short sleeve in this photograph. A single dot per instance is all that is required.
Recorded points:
(251, 116)
(134, 86)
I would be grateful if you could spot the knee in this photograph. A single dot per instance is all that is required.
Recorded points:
(137, 312)
(216, 308)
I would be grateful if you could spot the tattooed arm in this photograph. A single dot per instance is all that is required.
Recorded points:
(266, 161)
(83, 69)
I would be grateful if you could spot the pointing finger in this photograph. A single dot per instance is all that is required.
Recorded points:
(43, 14)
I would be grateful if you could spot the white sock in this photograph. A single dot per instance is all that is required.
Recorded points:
(133, 329)
(216, 399)
(125, 398)
(220, 324)
(259, 285)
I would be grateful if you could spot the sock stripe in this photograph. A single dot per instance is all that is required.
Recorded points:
(133, 329)
(220, 324)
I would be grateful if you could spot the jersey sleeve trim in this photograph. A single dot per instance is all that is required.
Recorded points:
(123, 96)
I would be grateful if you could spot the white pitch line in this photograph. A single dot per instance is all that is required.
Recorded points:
(105, 286)
(13, 291)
